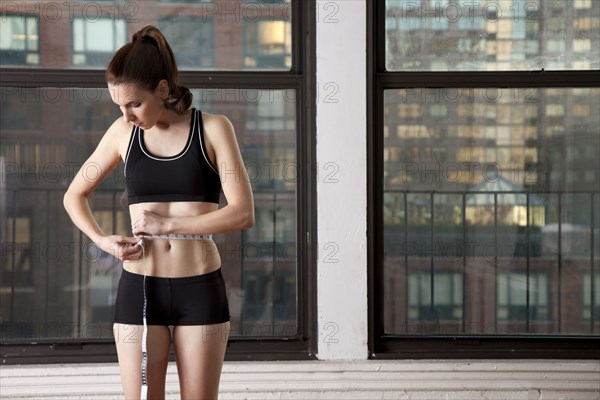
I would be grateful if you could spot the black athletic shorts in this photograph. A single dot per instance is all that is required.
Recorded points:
(190, 300)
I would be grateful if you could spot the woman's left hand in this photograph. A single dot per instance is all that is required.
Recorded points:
(148, 223)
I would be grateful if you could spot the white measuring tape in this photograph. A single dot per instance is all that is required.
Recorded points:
(176, 236)
(184, 236)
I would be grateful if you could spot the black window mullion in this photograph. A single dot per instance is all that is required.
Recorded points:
(297, 34)
(242, 80)
(96, 78)
(377, 10)
(306, 174)
(44, 77)
(528, 270)
(432, 306)
(592, 287)
(375, 211)
(559, 267)
(492, 79)
(304, 311)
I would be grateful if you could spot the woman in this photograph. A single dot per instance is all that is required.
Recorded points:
(177, 161)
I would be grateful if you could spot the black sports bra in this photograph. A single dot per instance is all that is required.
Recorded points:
(187, 176)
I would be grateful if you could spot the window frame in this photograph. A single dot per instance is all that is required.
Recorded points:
(301, 77)
(389, 346)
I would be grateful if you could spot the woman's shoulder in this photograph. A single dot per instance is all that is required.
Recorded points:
(119, 134)
(216, 125)
(218, 132)
(120, 125)
(214, 119)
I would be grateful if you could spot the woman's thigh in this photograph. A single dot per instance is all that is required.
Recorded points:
(200, 350)
(128, 339)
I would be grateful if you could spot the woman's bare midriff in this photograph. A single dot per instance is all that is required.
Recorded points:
(172, 258)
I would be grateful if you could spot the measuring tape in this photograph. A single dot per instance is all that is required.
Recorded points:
(175, 236)
(178, 236)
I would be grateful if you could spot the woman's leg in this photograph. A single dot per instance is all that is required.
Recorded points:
(128, 339)
(200, 350)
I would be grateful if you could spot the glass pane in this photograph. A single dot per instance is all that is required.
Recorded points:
(19, 40)
(464, 35)
(48, 263)
(204, 35)
(94, 42)
(191, 41)
(490, 211)
(263, 296)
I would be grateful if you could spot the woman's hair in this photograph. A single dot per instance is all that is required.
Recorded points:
(145, 61)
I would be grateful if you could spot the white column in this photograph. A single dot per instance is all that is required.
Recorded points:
(342, 185)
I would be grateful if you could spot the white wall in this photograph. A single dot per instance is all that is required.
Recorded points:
(341, 187)
(328, 380)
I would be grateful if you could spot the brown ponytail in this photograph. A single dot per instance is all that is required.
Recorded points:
(145, 61)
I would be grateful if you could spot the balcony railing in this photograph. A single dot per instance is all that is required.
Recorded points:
(516, 244)
(52, 275)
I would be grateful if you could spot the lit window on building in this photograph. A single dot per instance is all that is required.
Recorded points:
(518, 291)
(435, 297)
(268, 44)
(271, 111)
(591, 296)
(19, 40)
(96, 41)
(17, 269)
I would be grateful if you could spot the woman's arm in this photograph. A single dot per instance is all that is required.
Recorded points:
(239, 211)
(95, 169)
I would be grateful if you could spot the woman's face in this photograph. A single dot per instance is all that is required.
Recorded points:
(139, 106)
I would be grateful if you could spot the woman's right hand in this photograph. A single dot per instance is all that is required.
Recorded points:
(121, 247)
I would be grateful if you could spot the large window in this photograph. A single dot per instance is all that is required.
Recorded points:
(57, 289)
(486, 177)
